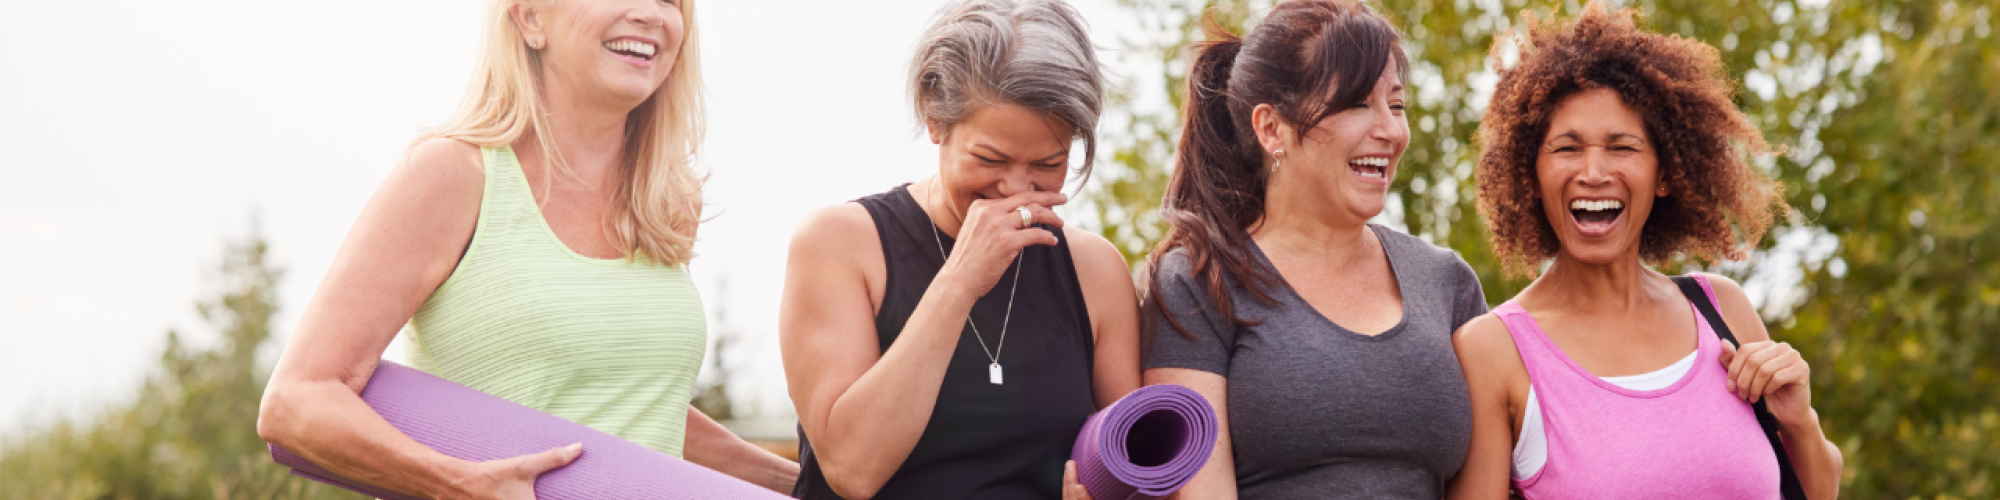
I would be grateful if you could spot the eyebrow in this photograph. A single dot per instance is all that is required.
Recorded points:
(1003, 156)
(1615, 136)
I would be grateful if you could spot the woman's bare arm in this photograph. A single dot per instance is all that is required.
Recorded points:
(405, 243)
(1487, 355)
(1777, 373)
(1114, 314)
(863, 408)
(712, 445)
(1217, 478)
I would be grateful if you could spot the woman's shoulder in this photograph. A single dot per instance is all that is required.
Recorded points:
(1173, 265)
(1486, 346)
(834, 226)
(445, 159)
(1423, 254)
(1736, 309)
(439, 180)
(1094, 255)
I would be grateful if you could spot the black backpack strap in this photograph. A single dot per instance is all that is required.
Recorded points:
(1788, 478)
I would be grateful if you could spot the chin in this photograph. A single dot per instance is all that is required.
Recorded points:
(1596, 255)
(1369, 204)
(635, 96)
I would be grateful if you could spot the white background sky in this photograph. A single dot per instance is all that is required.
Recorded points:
(138, 137)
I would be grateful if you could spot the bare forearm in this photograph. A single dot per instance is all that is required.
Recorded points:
(327, 423)
(874, 424)
(713, 446)
(1817, 460)
(1215, 481)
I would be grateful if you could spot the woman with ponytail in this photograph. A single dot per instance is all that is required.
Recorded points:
(1323, 341)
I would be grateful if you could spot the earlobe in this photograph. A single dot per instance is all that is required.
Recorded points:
(528, 22)
(1270, 131)
(937, 136)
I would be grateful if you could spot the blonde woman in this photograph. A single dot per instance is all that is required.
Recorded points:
(536, 247)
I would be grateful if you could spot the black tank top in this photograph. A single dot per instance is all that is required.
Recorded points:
(983, 441)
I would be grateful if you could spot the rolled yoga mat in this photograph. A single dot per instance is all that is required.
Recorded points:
(462, 422)
(1146, 445)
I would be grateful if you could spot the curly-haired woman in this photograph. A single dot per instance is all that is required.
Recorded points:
(1608, 148)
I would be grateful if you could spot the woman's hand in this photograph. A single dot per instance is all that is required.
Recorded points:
(1771, 370)
(993, 234)
(1072, 490)
(514, 478)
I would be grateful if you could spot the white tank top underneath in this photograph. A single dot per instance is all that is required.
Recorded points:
(1531, 451)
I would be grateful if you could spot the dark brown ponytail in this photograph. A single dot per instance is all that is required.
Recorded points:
(1308, 59)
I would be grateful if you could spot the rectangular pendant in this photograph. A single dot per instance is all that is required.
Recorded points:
(993, 373)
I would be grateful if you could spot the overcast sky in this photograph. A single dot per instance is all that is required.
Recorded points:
(140, 136)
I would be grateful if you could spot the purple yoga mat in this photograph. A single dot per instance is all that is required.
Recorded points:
(1146, 445)
(462, 422)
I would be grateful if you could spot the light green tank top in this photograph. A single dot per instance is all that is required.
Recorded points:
(610, 344)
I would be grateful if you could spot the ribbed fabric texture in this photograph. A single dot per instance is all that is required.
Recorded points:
(607, 343)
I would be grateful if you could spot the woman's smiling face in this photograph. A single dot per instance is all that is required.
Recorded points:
(1000, 150)
(622, 50)
(1598, 176)
(1350, 157)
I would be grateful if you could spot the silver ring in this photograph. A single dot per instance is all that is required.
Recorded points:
(1027, 218)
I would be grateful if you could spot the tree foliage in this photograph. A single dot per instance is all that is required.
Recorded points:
(191, 431)
(1887, 276)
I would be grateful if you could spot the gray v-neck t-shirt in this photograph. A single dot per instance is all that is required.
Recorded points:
(1318, 411)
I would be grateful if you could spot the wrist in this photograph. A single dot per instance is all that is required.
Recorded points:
(455, 478)
(1804, 424)
(955, 283)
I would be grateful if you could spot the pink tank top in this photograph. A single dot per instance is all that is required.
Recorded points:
(1691, 440)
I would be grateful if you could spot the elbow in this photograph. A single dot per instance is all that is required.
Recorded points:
(852, 484)
(274, 420)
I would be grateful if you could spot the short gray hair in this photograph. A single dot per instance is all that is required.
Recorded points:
(1031, 53)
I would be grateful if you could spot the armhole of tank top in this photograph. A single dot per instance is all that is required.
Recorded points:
(882, 244)
(1067, 252)
(1530, 407)
(487, 157)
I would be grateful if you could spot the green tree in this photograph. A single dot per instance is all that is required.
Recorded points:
(191, 431)
(1891, 121)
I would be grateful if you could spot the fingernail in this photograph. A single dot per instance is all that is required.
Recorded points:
(575, 447)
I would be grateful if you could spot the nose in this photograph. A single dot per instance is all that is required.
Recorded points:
(1016, 181)
(1389, 127)
(648, 16)
(1596, 167)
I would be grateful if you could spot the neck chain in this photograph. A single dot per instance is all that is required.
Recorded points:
(993, 370)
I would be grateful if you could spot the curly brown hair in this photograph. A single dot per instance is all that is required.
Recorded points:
(1681, 90)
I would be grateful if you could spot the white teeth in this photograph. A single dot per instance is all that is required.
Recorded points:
(645, 49)
(1371, 162)
(1596, 205)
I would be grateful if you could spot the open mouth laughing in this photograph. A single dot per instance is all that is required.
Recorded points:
(1371, 168)
(1596, 217)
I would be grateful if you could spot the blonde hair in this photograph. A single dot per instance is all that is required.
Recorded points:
(658, 201)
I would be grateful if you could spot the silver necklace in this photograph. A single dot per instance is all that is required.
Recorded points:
(992, 370)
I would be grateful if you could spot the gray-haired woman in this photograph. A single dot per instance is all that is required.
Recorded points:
(947, 338)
